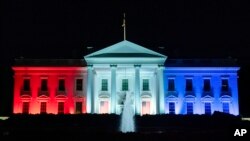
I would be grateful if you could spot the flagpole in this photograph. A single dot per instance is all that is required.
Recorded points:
(124, 26)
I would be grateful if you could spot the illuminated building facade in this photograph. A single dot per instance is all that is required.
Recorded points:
(98, 83)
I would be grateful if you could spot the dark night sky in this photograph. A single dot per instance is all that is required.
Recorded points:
(63, 29)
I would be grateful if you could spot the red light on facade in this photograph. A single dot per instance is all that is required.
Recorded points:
(43, 93)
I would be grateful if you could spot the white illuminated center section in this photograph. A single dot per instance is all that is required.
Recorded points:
(123, 68)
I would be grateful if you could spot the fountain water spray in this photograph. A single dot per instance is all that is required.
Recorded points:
(127, 121)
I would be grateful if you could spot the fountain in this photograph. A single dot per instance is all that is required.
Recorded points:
(127, 119)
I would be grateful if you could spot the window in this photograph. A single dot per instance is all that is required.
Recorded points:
(78, 107)
(171, 108)
(60, 107)
(104, 84)
(26, 85)
(61, 86)
(190, 107)
(224, 85)
(207, 85)
(145, 85)
(26, 106)
(171, 86)
(145, 107)
(44, 85)
(43, 108)
(225, 107)
(79, 83)
(104, 107)
(124, 84)
(208, 108)
(189, 85)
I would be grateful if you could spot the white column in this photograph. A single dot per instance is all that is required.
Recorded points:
(113, 88)
(90, 96)
(160, 95)
(233, 84)
(137, 90)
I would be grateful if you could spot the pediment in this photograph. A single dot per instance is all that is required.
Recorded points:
(104, 95)
(124, 51)
(43, 97)
(190, 98)
(26, 97)
(172, 98)
(207, 98)
(61, 97)
(226, 98)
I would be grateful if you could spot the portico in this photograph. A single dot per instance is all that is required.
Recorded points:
(122, 68)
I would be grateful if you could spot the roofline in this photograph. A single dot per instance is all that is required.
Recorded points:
(16, 68)
(41, 68)
(125, 60)
(202, 68)
(97, 52)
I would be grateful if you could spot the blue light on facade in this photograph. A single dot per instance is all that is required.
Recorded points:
(198, 96)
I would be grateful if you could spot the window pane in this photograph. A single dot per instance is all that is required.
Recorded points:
(224, 85)
(189, 85)
(171, 86)
(61, 85)
(171, 108)
(104, 107)
(60, 107)
(44, 84)
(124, 84)
(104, 84)
(26, 106)
(225, 107)
(207, 86)
(208, 108)
(26, 85)
(145, 85)
(79, 83)
(78, 107)
(43, 108)
(145, 107)
(190, 109)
